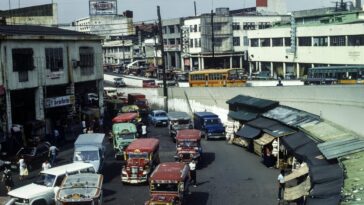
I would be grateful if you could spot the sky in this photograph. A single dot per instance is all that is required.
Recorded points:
(146, 10)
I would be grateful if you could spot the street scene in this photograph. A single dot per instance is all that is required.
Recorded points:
(181, 102)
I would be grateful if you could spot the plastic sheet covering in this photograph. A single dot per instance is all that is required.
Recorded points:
(333, 200)
(294, 141)
(327, 189)
(325, 173)
(296, 192)
(297, 173)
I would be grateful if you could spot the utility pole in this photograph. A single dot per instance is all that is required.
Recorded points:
(194, 4)
(160, 32)
(212, 39)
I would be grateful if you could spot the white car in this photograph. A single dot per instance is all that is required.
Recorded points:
(43, 191)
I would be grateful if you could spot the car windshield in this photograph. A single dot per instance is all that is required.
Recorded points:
(143, 155)
(127, 136)
(172, 187)
(212, 121)
(46, 180)
(86, 156)
(183, 143)
(160, 114)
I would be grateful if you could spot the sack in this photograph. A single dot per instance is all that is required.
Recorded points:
(26, 173)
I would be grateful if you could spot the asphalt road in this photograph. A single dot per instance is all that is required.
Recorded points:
(227, 175)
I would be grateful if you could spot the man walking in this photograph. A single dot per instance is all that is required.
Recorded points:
(192, 166)
(281, 184)
(53, 154)
(144, 130)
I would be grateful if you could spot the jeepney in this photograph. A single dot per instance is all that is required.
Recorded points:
(141, 157)
(178, 121)
(85, 189)
(188, 145)
(168, 184)
(126, 117)
(123, 135)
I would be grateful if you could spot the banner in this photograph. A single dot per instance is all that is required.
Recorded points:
(103, 7)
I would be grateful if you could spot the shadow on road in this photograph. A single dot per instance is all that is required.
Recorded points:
(197, 198)
(111, 170)
(207, 159)
(108, 192)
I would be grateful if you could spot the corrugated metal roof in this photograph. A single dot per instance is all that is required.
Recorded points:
(338, 148)
(251, 102)
(242, 115)
(291, 116)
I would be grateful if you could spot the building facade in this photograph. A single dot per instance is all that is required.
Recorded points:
(171, 29)
(309, 41)
(47, 72)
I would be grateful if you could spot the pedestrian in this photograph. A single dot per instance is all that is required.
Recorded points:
(56, 136)
(8, 179)
(101, 124)
(281, 184)
(53, 154)
(192, 166)
(46, 165)
(144, 130)
(23, 169)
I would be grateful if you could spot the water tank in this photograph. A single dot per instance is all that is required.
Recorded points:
(128, 14)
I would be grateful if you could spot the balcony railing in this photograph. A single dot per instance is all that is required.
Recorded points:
(23, 76)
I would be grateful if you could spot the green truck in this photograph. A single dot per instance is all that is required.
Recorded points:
(123, 135)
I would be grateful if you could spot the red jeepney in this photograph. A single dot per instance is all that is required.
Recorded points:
(126, 117)
(168, 184)
(141, 157)
(188, 145)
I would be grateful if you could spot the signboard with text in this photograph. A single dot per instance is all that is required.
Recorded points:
(59, 101)
(103, 7)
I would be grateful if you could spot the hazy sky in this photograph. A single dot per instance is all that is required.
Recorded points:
(145, 10)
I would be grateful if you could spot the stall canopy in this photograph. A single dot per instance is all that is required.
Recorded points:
(252, 104)
(242, 115)
(333, 200)
(271, 127)
(261, 142)
(327, 189)
(297, 173)
(326, 173)
(248, 132)
(296, 192)
(262, 123)
(310, 154)
(341, 147)
(294, 141)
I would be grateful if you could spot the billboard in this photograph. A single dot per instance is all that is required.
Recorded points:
(103, 7)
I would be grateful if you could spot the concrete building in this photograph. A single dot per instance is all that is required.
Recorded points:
(45, 15)
(172, 42)
(317, 38)
(47, 72)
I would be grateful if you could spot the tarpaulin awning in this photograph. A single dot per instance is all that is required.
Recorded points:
(264, 140)
(341, 147)
(322, 174)
(297, 173)
(262, 123)
(310, 154)
(279, 130)
(248, 132)
(327, 189)
(242, 115)
(333, 200)
(296, 192)
(252, 102)
(295, 140)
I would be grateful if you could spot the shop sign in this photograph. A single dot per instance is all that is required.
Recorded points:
(59, 101)
(103, 7)
(55, 75)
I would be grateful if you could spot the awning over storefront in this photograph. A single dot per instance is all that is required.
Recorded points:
(327, 189)
(333, 200)
(242, 115)
(297, 173)
(296, 192)
(322, 174)
(264, 140)
(262, 123)
(248, 132)
(294, 141)
(310, 154)
(252, 102)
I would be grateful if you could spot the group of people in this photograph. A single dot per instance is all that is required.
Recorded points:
(23, 168)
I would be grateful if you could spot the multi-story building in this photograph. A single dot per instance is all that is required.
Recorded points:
(47, 72)
(171, 29)
(323, 37)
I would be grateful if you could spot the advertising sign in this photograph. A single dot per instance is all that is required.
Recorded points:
(103, 7)
(59, 101)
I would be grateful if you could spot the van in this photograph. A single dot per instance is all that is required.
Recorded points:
(43, 190)
(209, 124)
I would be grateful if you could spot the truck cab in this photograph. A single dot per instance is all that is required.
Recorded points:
(209, 124)
(178, 121)
(90, 148)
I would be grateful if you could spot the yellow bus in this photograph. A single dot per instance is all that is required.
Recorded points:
(232, 77)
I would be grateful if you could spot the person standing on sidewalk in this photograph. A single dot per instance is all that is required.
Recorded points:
(8, 179)
(46, 165)
(192, 166)
(53, 154)
(23, 169)
(281, 184)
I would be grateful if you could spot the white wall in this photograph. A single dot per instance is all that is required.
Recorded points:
(194, 35)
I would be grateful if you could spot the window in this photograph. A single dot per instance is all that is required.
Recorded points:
(54, 59)
(263, 25)
(287, 42)
(236, 41)
(198, 77)
(249, 26)
(87, 60)
(236, 26)
(265, 42)
(276, 42)
(178, 29)
(172, 41)
(254, 42)
(195, 28)
(304, 41)
(164, 29)
(218, 42)
(357, 40)
(171, 29)
(191, 43)
(337, 41)
(199, 42)
(165, 41)
(215, 76)
(196, 42)
(320, 41)
(178, 41)
(246, 41)
(217, 26)
(22, 59)
(191, 28)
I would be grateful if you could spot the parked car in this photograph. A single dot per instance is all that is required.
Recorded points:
(119, 82)
(158, 117)
(33, 156)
